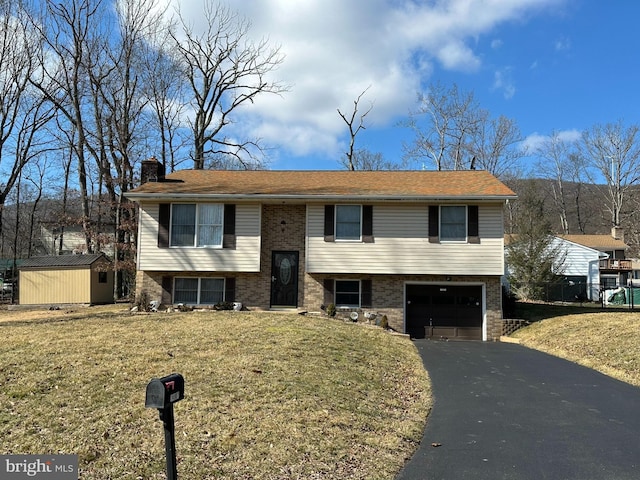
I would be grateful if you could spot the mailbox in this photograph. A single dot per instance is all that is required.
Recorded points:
(162, 393)
(165, 391)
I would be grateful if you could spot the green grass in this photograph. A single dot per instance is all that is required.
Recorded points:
(607, 341)
(267, 396)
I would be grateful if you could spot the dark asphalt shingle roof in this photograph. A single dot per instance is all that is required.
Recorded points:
(61, 261)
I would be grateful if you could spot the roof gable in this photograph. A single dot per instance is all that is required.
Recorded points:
(470, 184)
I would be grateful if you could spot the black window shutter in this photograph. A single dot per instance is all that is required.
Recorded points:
(434, 223)
(329, 220)
(328, 291)
(473, 234)
(229, 232)
(167, 287)
(229, 289)
(164, 216)
(366, 296)
(367, 223)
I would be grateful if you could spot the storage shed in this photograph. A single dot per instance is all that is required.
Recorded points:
(62, 279)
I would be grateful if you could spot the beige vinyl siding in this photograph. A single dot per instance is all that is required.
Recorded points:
(244, 258)
(55, 286)
(401, 245)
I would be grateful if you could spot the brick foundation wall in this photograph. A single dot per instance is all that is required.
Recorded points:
(151, 284)
(388, 296)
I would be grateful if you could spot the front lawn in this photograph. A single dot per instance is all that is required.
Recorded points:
(268, 396)
(607, 341)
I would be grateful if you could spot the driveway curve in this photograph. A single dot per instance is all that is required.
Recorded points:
(503, 411)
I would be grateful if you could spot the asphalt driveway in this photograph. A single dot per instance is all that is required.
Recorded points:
(503, 411)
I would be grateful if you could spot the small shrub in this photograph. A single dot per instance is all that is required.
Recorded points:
(142, 301)
(331, 310)
(223, 306)
(384, 322)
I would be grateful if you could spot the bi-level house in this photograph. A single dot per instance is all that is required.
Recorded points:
(425, 248)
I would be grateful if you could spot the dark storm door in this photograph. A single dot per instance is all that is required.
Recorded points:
(284, 279)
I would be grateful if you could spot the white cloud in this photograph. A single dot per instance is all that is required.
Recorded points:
(570, 135)
(503, 81)
(335, 49)
(536, 141)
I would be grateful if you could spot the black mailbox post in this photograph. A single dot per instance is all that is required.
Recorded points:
(162, 393)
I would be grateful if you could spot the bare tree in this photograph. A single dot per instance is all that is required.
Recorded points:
(613, 153)
(496, 146)
(35, 176)
(353, 129)
(73, 42)
(444, 124)
(22, 115)
(452, 132)
(164, 89)
(555, 155)
(363, 159)
(225, 71)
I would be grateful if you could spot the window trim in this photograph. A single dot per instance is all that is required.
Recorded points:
(335, 224)
(196, 226)
(199, 293)
(336, 292)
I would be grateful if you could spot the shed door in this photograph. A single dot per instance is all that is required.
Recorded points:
(444, 311)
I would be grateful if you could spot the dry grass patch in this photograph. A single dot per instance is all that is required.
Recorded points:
(605, 341)
(268, 396)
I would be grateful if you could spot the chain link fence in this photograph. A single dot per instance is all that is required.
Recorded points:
(583, 292)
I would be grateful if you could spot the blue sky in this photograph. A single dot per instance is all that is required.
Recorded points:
(562, 65)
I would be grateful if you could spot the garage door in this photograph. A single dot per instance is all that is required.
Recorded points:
(444, 311)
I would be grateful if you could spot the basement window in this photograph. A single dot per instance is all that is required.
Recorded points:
(198, 291)
(348, 293)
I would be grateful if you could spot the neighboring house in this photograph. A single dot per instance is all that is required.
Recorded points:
(64, 279)
(590, 264)
(580, 270)
(72, 238)
(635, 273)
(424, 248)
(615, 269)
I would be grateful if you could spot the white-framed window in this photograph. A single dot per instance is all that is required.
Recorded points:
(196, 225)
(347, 293)
(198, 291)
(348, 222)
(453, 223)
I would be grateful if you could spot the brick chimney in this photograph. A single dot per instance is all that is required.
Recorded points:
(617, 232)
(151, 171)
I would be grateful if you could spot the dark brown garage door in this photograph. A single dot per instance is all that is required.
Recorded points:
(444, 311)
